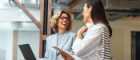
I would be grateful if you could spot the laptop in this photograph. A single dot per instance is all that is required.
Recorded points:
(27, 52)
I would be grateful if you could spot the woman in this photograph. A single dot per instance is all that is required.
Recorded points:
(61, 23)
(95, 44)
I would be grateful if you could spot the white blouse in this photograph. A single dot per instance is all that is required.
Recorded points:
(90, 47)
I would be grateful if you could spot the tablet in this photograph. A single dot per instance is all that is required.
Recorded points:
(27, 52)
(68, 55)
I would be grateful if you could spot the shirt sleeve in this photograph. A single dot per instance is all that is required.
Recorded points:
(86, 46)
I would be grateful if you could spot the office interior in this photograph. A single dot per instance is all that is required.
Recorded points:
(16, 27)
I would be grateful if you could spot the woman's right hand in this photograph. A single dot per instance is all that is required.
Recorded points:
(70, 59)
(63, 55)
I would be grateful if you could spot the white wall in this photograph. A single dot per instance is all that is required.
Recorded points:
(6, 44)
(116, 45)
(77, 24)
(30, 37)
(127, 27)
(6, 38)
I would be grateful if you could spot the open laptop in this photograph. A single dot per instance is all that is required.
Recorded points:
(27, 52)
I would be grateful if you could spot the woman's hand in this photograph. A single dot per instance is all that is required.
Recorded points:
(81, 31)
(24, 59)
(70, 59)
(63, 55)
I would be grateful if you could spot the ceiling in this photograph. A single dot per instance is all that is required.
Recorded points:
(115, 9)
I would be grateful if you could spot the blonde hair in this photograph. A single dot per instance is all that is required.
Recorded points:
(56, 17)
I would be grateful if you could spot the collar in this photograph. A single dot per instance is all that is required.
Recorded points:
(89, 25)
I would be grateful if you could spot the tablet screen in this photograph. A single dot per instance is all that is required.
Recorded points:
(27, 52)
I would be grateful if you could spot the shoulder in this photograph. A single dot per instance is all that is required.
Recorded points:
(101, 27)
(51, 36)
(71, 33)
(98, 28)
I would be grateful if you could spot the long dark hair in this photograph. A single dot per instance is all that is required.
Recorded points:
(98, 13)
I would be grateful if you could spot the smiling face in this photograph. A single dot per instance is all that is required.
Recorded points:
(87, 14)
(63, 21)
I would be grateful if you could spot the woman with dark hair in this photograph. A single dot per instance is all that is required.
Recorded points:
(95, 45)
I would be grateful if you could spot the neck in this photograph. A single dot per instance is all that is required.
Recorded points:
(100, 22)
(90, 20)
(61, 30)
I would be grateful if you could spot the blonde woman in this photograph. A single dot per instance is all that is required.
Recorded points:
(61, 23)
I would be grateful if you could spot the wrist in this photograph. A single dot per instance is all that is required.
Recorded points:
(78, 36)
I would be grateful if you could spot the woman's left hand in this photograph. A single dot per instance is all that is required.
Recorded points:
(81, 31)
